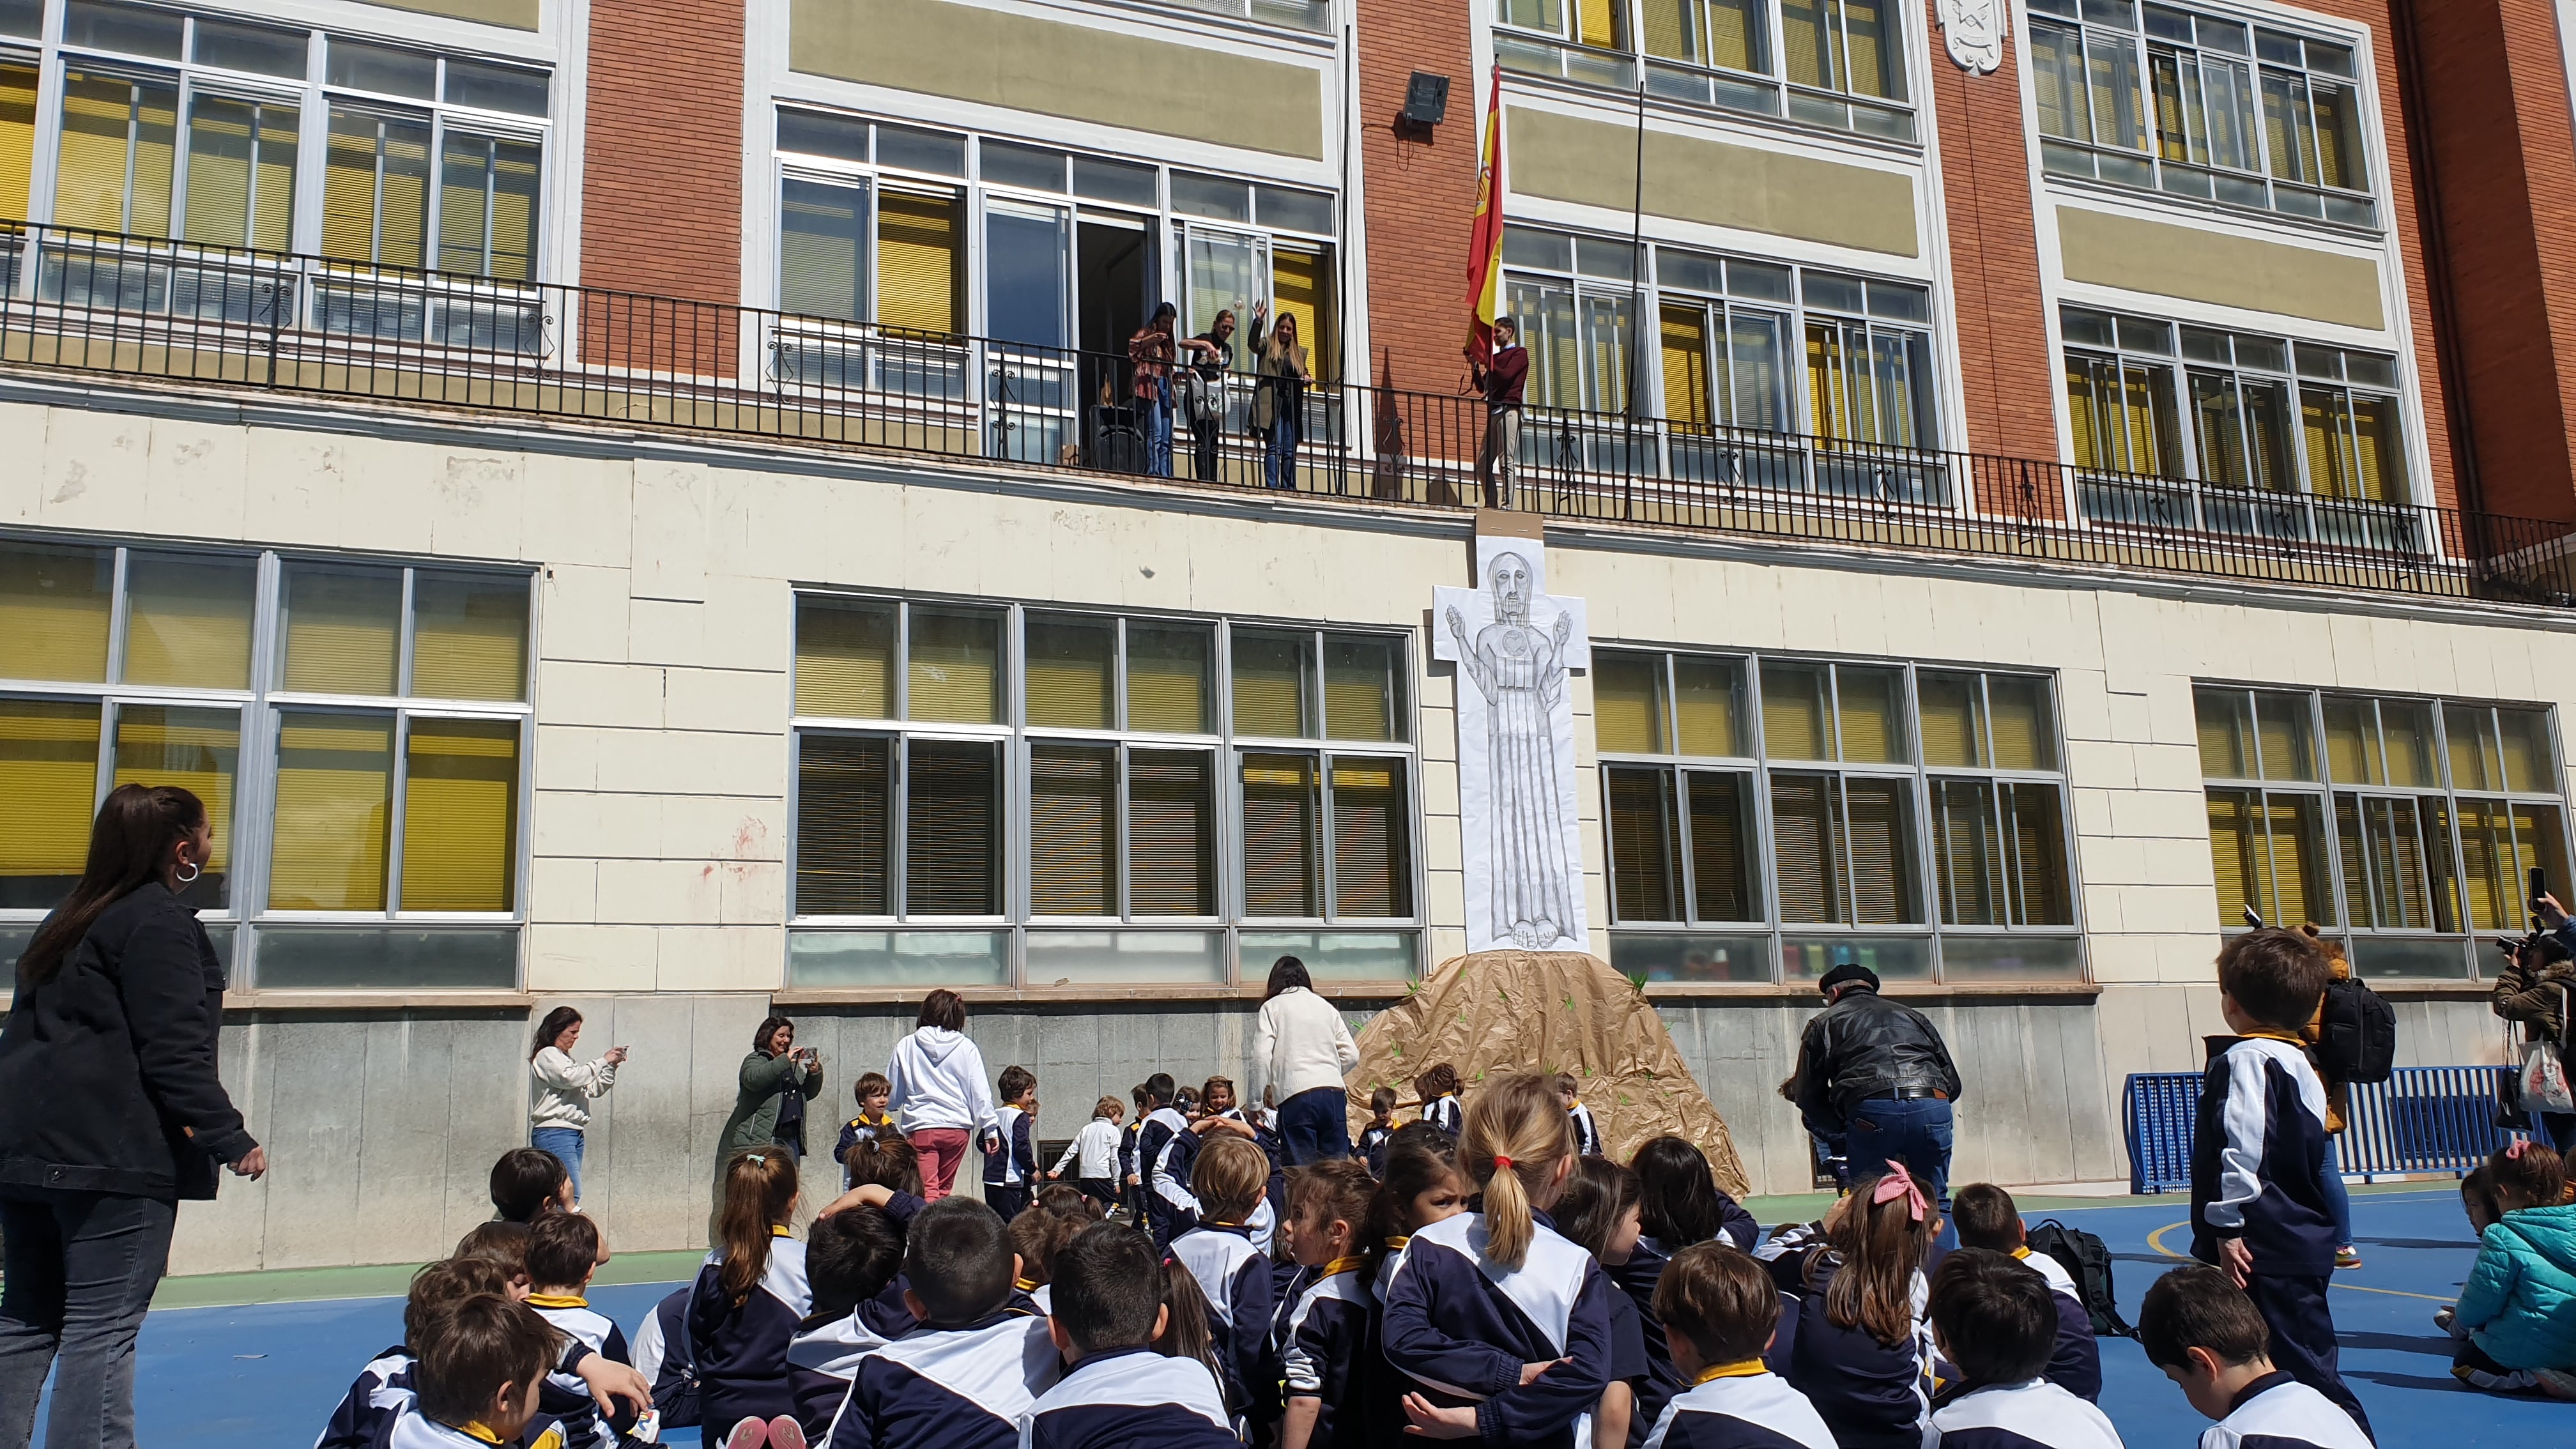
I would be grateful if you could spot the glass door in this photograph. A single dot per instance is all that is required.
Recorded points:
(1028, 312)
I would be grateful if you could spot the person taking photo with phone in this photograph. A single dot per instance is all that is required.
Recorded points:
(560, 1119)
(2535, 991)
(772, 1088)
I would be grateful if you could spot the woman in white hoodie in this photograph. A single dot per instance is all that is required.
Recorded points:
(1303, 1048)
(560, 1116)
(941, 1093)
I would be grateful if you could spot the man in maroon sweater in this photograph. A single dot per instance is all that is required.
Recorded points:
(1501, 379)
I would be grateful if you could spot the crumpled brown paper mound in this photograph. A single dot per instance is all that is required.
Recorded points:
(1499, 1012)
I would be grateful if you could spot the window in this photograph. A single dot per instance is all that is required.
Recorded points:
(1843, 61)
(383, 727)
(2406, 825)
(1024, 796)
(1804, 812)
(188, 127)
(2201, 106)
(2229, 417)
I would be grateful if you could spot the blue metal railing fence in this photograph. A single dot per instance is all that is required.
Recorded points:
(2421, 1120)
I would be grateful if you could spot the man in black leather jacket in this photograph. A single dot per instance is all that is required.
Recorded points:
(1880, 1069)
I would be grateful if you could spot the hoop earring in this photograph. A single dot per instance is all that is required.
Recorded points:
(193, 871)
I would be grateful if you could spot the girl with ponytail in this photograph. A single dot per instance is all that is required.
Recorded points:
(1498, 1325)
(748, 1302)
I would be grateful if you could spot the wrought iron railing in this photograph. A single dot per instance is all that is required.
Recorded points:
(105, 303)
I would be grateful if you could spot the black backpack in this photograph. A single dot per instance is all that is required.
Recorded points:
(2087, 1260)
(2357, 1034)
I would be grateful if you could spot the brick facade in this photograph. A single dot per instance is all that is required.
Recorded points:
(1421, 189)
(661, 193)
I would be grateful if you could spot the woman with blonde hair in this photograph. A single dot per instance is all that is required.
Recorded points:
(1499, 1325)
(1279, 400)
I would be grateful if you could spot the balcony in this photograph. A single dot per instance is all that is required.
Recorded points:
(99, 304)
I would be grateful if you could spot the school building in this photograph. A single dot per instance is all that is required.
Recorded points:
(644, 505)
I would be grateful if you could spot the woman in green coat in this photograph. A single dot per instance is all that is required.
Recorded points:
(775, 1083)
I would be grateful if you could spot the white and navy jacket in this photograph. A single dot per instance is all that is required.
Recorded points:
(1740, 1407)
(2035, 1414)
(2258, 1159)
(564, 1395)
(382, 1390)
(1168, 1148)
(2278, 1412)
(1636, 1280)
(1130, 1398)
(1128, 1137)
(1094, 1153)
(1016, 1165)
(1372, 1147)
(949, 1388)
(1444, 1113)
(661, 1348)
(741, 1352)
(1324, 1353)
(1873, 1395)
(411, 1431)
(821, 1360)
(1460, 1325)
(1242, 1300)
(1587, 1133)
(2075, 1364)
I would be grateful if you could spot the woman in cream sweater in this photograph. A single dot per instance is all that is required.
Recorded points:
(565, 1088)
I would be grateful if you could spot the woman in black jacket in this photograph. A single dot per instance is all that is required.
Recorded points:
(110, 1113)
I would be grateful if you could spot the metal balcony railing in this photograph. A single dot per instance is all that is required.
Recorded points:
(103, 303)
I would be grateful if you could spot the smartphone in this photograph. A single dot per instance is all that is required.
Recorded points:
(2539, 886)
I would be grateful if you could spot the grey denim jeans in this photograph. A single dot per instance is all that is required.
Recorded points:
(81, 1269)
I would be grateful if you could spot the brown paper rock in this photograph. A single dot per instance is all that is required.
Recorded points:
(1499, 1012)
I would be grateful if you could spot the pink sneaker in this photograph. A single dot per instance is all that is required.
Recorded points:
(786, 1433)
(752, 1434)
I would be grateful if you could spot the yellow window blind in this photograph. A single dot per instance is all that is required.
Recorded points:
(1808, 44)
(1069, 677)
(954, 670)
(17, 138)
(1272, 674)
(822, 250)
(2526, 751)
(49, 781)
(2303, 890)
(1363, 690)
(1282, 869)
(1708, 697)
(1171, 832)
(469, 637)
(2406, 737)
(1838, 414)
(241, 172)
(843, 790)
(1795, 725)
(460, 814)
(1872, 703)
(2540, 839)
(1953, 727)
(516, 166)
(2339, 153)
(2025, 737)
(2379, 449)
(118, 146)
(335, 777)
(1881, 828)
(2035, 821)
(2488, 868)
(343, 627)
(1597, 23)
(349, 187)
(1722, 852)
(2225, 753)
(844, 659)
(1804, 852)
(375, 192)
(487, 206)
(1966, 860)
(1073, 830)
(1670, 28)
(54, 605)
(2352, 743)
(921, 262)
(2236, 854)
(198, 750)
(2474, 762)
(1683, 347)
(2357, 861)
(1876, 38)
(2324, 421)
(1628, 703)
(1372, 856)
(188, 621)
(1644, 844)
(1167, 678)
(1301, 286)
(953, 828)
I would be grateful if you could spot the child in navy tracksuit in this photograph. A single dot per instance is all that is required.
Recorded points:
(661, 1347)
(1483, 1306)
(872, 1123)
(1373, 1137)
(1011, 1157)
(2259, 1206)
(563, 1251)
(476, 1380)
(974, 1366)
(1996, 1322)
(1131, 1172)
(1166, 1148)
(1325, 1346)
(1598, 1214)
(1117, 1391)
(850, 1257)
(1865, 1363)
(1678, 1203)
(1719, 1311)
(2209, 1337)
(384, 1389)
(1587, 1132)
(1227, 1179)
(1420, 1186)
(1437, 1089)
(748, 1302)
(1987, 1217)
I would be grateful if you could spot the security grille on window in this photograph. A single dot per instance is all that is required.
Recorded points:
(1019, 796)
(1843, 61)
(2201, 105)
(2408, 823)
(384, 732)
(1801, 812)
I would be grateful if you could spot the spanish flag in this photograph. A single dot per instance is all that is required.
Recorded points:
(1485, 243)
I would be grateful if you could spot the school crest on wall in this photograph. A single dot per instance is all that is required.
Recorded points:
(1974, 31)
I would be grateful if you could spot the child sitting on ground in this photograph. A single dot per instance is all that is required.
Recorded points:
(1859, 1352)
(1011, 1154)
(2210, 1339)
(563, 1252)
(1987, 1217)
(528, 1182)
(1599, 1215)
(1325, 1349)
(850, 1257)
(1229, 1179)
(1116, 1388)
(2516, 1315)
(1093, 1154)
(481, 1365)
(1678, 1203)
(1719, 1313)
(384, 1388)
(746, 1305)
(1381, 1126)
(873, 1122)
(1038, 1236)
(1997, 1322)
(962, 1379)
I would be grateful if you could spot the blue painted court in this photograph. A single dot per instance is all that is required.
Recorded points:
(267, 1375)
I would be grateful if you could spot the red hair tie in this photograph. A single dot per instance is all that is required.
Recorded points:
(1501, 1162)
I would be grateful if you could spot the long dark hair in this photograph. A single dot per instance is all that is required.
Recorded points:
(759, 1191)
(552, 1027)
(1286, 972)
(127, 844)
(1678, 1202)
(769, 1026)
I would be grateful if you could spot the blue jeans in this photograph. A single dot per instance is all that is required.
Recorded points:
(1316, 1126)
(565, 1143)
(1279, 452)
(1915, 1132)
(81, 1268)
(2338, 1201)
(1155, 415)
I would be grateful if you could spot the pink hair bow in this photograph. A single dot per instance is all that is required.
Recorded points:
(2513, 1151)
(1898, 1182)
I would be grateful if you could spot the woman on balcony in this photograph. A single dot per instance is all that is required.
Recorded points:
(1279, 400)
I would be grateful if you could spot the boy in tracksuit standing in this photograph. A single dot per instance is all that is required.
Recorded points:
(1011, 1162)
(2258, 1195)
(1164, 1151)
